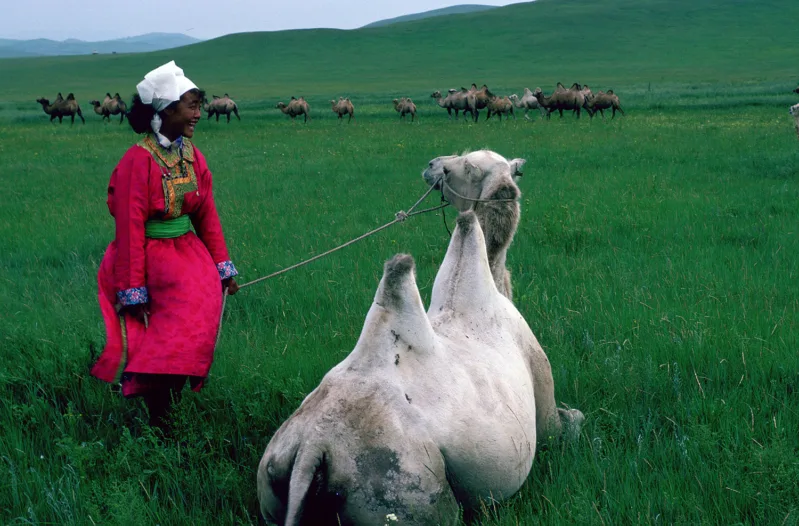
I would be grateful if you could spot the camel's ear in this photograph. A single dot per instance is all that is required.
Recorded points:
(472, 168)
(516, 166)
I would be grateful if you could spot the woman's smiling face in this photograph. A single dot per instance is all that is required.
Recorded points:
(183, 117)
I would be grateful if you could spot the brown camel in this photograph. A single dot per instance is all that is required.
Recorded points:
(343, 106)
(500, 106)
(561, 99)
(221, 106)
(110, 106)
(603, 101)
(295, 107)
(119, 105)
(403, 106)
(99, 109)
(482, 97)
(62, 108)
(458, 101)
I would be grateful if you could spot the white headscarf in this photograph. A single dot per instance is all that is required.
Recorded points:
(160, 88)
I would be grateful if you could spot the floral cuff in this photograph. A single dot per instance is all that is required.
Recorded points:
(133, 296)
(226, 269)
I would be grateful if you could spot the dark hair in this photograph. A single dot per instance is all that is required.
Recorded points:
(140, 114)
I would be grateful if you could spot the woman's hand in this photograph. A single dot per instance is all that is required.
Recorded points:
(231, 285)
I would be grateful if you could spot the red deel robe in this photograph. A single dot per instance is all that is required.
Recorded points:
(179, 278)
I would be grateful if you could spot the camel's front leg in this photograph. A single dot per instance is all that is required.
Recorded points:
(551, 422)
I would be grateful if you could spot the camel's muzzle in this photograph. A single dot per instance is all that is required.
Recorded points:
(432, 180)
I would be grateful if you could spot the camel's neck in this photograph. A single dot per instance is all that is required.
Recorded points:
(499, 221)
(48, 108)
(441, 102)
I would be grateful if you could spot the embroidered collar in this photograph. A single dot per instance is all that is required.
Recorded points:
(166, 143)
(182, 148)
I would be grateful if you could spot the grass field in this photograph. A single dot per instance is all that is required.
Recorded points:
(656, 261)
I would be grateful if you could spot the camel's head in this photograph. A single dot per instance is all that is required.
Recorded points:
(477, 175)
(514, 97)
(280, 105)
(43, 101)
(94, 103)
(796, 90)
(436, 95)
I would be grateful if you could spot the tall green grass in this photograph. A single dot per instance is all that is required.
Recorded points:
(656, 262)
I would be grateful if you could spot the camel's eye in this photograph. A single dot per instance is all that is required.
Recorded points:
(446, 171)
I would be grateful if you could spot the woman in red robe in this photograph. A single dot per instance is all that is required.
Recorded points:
(159, 282)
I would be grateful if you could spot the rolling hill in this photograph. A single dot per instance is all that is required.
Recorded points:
(613, 43)
(453, 10)
(73, 46)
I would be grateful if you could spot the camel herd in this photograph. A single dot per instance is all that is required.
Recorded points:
(576, 98)
(464, 100)
(471, 101)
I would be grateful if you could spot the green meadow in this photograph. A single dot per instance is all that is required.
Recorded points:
(657, 258)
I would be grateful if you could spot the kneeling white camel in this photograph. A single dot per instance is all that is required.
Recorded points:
(431, 410)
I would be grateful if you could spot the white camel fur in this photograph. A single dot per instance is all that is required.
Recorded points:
(431, 410)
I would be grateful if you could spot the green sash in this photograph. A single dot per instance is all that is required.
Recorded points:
(169, 228)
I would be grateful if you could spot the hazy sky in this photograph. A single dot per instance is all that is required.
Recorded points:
(95, 20)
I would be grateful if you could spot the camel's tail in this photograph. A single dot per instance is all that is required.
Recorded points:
(235, 109)
(303, 476)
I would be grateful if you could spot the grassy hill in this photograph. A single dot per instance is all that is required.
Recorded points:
(623, 42)
(73, 46)
(453, 10)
